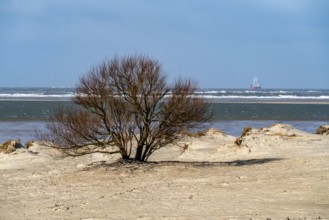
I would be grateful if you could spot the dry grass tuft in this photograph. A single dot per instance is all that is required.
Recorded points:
(10, 146)
(29, 144)
(245, 132)
(323, 130)
(197, 134)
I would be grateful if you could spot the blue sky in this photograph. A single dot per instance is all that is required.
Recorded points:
(219, 43)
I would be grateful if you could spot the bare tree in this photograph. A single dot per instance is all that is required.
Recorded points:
(127, 107)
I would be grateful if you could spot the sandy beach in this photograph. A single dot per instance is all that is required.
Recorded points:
(277, 172)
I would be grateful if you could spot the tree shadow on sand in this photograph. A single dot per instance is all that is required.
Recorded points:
(137, 164)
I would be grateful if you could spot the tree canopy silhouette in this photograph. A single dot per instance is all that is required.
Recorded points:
(126, 107)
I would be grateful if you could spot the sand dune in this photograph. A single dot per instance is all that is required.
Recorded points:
(277, 172)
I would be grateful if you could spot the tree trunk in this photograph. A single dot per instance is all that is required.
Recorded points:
(139, 152)
(141, 143)
(124, 154)
(145, 154)
(125, 157)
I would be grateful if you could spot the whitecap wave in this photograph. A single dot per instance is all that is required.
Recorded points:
(267, 97)
(35, 95)
(210, 92)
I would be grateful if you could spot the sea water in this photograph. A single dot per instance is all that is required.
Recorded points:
(26, 110)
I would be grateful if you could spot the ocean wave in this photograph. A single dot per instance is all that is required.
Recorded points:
(313, 91)
(267, 97)
(211, 92)
(198, 94)
(280, 92)
(35, 95)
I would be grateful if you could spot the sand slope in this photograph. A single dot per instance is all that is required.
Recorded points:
(277, 172)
